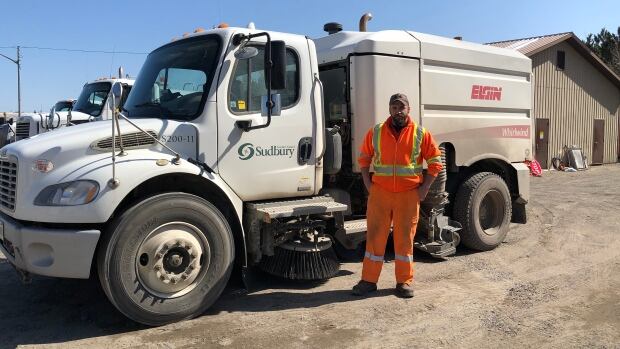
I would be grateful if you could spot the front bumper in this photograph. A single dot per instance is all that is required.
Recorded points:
(66, 253)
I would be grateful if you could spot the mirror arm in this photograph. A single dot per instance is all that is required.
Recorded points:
(246, 126)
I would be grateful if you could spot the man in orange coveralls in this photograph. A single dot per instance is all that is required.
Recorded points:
(396, 149)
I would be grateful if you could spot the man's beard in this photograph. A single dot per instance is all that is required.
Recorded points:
(399, 121)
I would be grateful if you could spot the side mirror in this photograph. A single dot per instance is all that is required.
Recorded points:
(276, 71)
(117, 94)
(50, 118)
(246, 52)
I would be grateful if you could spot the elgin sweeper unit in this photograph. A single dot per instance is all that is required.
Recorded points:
(238, 146)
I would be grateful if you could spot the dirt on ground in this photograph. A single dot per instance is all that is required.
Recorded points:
(554, 282)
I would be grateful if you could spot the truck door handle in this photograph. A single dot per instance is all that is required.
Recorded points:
(304, 150)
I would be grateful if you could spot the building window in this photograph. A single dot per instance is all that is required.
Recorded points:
(560, 60)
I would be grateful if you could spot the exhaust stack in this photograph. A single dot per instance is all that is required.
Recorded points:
(364, 21)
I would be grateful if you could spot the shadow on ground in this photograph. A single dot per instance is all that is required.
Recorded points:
(53, 310)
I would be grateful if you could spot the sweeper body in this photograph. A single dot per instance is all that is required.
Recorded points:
(237, 147)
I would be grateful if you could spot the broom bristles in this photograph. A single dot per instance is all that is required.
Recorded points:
(301, 265)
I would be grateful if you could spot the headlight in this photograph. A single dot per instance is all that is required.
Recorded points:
(68, 194)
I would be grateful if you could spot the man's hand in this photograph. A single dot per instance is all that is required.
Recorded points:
(366, 177)
(425, 186)
(423, 191)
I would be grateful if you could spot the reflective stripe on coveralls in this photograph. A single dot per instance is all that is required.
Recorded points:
(404, 258)
(412, 169)
(373, 258)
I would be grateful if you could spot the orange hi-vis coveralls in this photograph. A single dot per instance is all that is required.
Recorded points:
(397, 161)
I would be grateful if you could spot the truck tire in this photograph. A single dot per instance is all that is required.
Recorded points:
(166, 259)
(483, 207)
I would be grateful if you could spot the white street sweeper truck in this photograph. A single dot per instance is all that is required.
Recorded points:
(238, 147)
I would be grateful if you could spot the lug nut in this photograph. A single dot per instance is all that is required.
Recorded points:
(159, 255)
(157, 267)
(188, 247)
(162, 278)
(173, 281)
(184, 276)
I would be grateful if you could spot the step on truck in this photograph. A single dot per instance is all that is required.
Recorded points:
(238, 147)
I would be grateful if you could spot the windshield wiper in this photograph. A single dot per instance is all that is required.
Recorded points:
(160, 108)
(148, 104)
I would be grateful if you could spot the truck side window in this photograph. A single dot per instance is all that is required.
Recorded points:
(247, 85)
(335, 95)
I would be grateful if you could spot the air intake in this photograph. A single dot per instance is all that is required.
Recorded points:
(22, 129)
(332, 27)
(130, 141)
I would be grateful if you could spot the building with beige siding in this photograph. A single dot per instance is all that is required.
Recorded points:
(576, 98)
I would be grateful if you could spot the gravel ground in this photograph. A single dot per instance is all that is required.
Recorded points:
(554, 282)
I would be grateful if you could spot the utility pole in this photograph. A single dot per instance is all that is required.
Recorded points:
(19, 90)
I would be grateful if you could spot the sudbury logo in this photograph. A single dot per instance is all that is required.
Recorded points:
(492, 93)
(248, 150)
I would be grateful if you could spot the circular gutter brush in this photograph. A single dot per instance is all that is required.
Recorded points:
(302, 259)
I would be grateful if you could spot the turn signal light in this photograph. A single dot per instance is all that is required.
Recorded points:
(43, 166)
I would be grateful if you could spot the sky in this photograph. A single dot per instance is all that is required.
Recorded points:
(141, 26)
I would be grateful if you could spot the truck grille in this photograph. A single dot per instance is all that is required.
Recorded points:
(22, 129)
(8, 182)
(130, 140)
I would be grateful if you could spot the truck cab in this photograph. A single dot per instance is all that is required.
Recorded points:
(93, 104)
(237, 147)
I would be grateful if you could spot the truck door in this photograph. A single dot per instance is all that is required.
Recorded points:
(276, 161)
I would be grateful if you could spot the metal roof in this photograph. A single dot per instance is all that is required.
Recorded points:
(533, 45)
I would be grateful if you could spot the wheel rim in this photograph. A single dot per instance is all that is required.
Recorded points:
(172, 259)
(491, 212)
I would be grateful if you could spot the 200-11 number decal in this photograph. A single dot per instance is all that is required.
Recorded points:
(177, 139)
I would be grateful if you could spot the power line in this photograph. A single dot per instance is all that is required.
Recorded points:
(77, 50)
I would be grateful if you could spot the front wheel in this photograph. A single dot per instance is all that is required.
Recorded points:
(483, 207)
(166, 259)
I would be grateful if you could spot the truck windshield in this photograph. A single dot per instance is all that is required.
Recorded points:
(93, 98)
(63, 106)
(175, 79)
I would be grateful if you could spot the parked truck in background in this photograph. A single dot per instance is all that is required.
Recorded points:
(93, 104)
(238, 147)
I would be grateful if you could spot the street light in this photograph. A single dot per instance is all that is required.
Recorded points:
(19, 97)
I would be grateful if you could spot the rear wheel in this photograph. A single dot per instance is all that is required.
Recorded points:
(483, 207)
(166, 259)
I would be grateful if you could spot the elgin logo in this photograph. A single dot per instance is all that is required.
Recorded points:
(486, 92)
